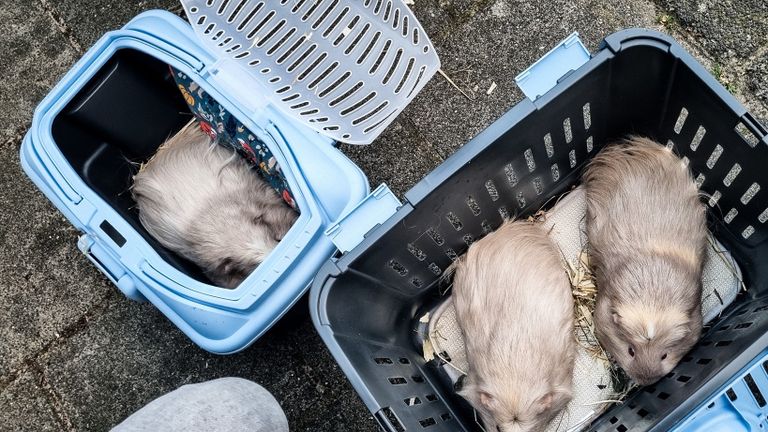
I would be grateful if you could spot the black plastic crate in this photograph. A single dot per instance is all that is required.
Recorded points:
(366, 304)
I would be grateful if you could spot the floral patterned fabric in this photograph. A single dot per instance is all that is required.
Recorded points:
(220, 125)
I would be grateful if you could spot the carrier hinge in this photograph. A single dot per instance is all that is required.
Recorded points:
(373, 210)
(541, 76)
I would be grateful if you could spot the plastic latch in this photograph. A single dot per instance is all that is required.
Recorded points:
(373, 210)
(111, 269)
(541, 76)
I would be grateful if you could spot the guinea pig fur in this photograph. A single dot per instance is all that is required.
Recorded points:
(205, 203)
(514, 306)
(647, 232)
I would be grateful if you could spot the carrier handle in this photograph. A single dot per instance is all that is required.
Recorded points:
(754, 126)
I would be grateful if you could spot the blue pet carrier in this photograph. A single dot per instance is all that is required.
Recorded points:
(297, 76)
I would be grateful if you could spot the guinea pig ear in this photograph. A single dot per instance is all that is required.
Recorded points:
(616, 317)
(486, 400)
(553, 401)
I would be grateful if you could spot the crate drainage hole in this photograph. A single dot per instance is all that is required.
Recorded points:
(642, 412)
(397, 381)
(383, 361)
(431, 397)
(427, 422)
(411, 401)
(393, 420)
(417, 379)
(445, 416)
(731, 395)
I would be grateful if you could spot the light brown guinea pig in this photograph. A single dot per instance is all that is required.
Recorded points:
(205, 203)
(514, 306)
(647, 232)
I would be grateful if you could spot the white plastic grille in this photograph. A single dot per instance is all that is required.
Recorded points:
(346, 68)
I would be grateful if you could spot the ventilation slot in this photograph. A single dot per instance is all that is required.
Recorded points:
(454, 221)
(548, 145)
(586, 111)
(494, 193)
(398, 268)
(504, 213)
(511, 175)
(555, 171)
(697, 138)
(450, 253)
(748, 136)
(572, 158)
(732, 174)
(474, 207)
(435, 269)
(681, 120)
(755, 390)
(567, 130)
(716, 153)
(763, 216)
(714, 198)
(590, 144)
(731, 214)
(748, 231)
(520, 200)
(416, 252)
(435, 236)
(383, 361)
(750, 193)
(529, 160)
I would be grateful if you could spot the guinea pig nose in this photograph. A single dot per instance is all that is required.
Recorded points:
(631, 351)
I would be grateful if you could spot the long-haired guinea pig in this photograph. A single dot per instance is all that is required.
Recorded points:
(514, 306)
(205, 203)
(647, 232)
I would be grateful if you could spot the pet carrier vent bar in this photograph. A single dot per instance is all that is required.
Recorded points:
(344, 68)
(351, 228)
(541, 76)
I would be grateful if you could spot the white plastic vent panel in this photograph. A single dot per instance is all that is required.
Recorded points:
(346, 68)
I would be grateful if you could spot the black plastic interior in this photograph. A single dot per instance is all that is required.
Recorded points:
(642, 90)
(118, 120)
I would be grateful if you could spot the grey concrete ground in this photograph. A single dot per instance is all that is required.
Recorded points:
(75, 355)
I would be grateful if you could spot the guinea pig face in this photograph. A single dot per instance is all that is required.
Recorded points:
(648, 343)
(529, 410)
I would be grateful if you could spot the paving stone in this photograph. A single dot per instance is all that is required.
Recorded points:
(90, 19)
(46, 285)
(23, 406)
(495, 45)
(724, 28)
(132, 354)
(35, 55)
(400, 157)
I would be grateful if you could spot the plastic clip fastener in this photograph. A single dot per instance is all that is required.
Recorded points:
(351, 229)
(541, 76)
